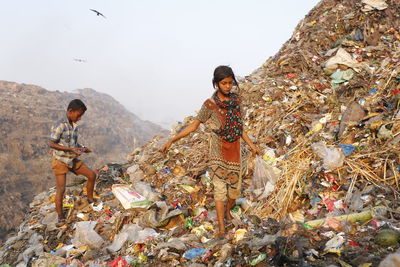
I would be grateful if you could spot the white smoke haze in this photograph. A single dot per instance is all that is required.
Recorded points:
(155, 57)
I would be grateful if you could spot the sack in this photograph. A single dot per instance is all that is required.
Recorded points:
(129, 198)
(264, 178)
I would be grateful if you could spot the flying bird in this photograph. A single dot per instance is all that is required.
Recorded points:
(98, 13)
(80, 60)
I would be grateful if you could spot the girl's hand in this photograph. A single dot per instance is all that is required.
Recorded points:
(165, 148)
(256, 151)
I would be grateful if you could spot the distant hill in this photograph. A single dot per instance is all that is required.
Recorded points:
(26, 115)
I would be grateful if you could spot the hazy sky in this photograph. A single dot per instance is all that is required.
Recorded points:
(156, 57)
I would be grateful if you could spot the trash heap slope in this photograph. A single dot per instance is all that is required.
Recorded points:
(336, 81)
(27, 114)
(325, 112)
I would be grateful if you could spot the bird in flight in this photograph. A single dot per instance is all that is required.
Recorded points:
(98, 13)
(80, 60)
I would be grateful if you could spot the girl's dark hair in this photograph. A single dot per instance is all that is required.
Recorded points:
(222, 72)
(76, 104)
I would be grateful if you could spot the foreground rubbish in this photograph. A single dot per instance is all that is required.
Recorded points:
(325, 111)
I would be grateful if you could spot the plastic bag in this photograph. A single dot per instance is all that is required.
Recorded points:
(158, 216)
(259, 259)
(85, 235)
(225, 253)
(135, 173)
(332, 157)
(347, 149)
(50, 221)
(133, 233)
(172, 243)
(146, 190)
(343, 58)
(35, 248)
(264, 178)
(374, 4)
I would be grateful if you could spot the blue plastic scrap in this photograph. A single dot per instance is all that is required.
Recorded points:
(373, 91)
(347, 149)
(193, 253)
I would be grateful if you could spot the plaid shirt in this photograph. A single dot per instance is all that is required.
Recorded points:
(66, 135)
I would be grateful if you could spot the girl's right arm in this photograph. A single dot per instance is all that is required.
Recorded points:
(189, 129)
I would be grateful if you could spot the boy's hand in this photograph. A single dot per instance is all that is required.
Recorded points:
(77, 150)
(86, 149)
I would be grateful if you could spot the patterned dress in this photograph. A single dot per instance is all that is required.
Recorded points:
(224, 158)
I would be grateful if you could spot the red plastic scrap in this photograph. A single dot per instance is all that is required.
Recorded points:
(202, 215)
(330, 178)
(354, 244)
(319, 86)
(313, 211)
(118, 262)
(376, 224)
(138, 248)
(329, 203)
(292, 75)
(176, 205)
(108, 213)
(333, 181)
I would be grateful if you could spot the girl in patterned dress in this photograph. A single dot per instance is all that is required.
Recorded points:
(223, 113)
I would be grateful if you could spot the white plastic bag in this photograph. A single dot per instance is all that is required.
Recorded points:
(86, 235)
(146, 190)
(133, 233)
(264, 178)
(332, 157)
(343, 58)
(35, 248)
(135, 173)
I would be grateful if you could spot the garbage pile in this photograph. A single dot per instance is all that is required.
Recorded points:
(325, 112)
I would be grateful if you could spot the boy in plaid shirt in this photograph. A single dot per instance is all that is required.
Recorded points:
(66, 150)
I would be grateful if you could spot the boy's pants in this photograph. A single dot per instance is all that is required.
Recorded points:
(60, 167)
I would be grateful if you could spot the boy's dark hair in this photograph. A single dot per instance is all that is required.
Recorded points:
(76, 104)
(222, 72)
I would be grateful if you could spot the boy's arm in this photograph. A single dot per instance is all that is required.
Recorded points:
(56, 146)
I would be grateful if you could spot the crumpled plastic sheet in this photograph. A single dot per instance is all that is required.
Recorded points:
(344, 58)
(375, 4)
(133, 233)
(35, 247)
(332, 157)
(85, 235)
